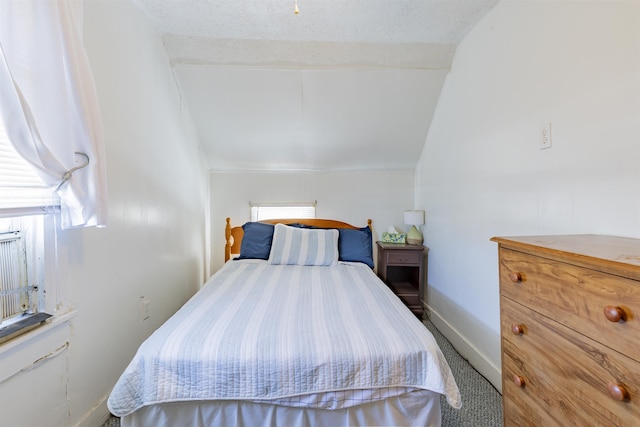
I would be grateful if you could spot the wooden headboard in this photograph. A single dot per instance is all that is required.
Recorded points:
(233, 235)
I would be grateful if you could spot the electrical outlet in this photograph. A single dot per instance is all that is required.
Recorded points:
(546, 140)
(144, 308)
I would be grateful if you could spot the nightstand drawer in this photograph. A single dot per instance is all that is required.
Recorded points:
(403, 258)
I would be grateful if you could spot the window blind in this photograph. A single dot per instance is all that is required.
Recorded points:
(22, 192)
(261, 211)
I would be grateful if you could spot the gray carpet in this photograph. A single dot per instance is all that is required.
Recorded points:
(481, 402)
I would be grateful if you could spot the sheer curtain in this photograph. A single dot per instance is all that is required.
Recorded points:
(49, 105)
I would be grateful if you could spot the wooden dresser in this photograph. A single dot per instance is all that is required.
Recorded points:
(570, 328)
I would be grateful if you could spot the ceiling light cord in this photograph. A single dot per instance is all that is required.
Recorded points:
(295, 8)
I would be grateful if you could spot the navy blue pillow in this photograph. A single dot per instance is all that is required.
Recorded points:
(256, 242)
(355, 245)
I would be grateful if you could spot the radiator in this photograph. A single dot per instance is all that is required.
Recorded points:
(15, 291)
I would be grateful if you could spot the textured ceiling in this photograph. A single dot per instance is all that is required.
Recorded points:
(374, 21)
(346, 85)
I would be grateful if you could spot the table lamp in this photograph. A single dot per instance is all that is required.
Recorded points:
(413, 218)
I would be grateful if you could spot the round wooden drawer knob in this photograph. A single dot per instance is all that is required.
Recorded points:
(517, 329)
(617, 392)
(518, 381)
(515, 277)
(614, 314)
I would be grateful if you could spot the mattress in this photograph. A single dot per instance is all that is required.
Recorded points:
(285, 333)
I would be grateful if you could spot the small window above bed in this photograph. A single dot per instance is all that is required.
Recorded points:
(262, 211)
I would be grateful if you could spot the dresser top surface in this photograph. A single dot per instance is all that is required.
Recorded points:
(609, 252)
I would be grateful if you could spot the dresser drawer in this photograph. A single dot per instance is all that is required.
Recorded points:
(577, 297)
(403, 258)
(559, 394)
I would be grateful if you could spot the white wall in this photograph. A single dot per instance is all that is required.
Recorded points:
(154, 247)
(528, 63)
(352, 197)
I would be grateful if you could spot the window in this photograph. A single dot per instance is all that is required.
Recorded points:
(25, 204)
(261, 211)
(21, 189)
(56, 141)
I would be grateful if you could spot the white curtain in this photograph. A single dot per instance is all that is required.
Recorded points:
(49, 105)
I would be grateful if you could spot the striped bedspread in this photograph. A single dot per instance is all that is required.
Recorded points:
(257, 331)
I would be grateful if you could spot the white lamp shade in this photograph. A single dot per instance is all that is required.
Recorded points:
(414, 217)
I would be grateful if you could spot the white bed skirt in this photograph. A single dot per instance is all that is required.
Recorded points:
(418, 408)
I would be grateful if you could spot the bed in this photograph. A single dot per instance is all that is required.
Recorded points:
(294, 330)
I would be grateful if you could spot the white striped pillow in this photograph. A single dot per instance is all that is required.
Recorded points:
(303, 246)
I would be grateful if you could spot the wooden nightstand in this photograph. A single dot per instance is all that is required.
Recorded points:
(401, 267)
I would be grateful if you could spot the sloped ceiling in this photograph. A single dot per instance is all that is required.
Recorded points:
(342, 85)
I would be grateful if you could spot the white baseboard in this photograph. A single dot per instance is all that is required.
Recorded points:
(97, 415)
(491, 372)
